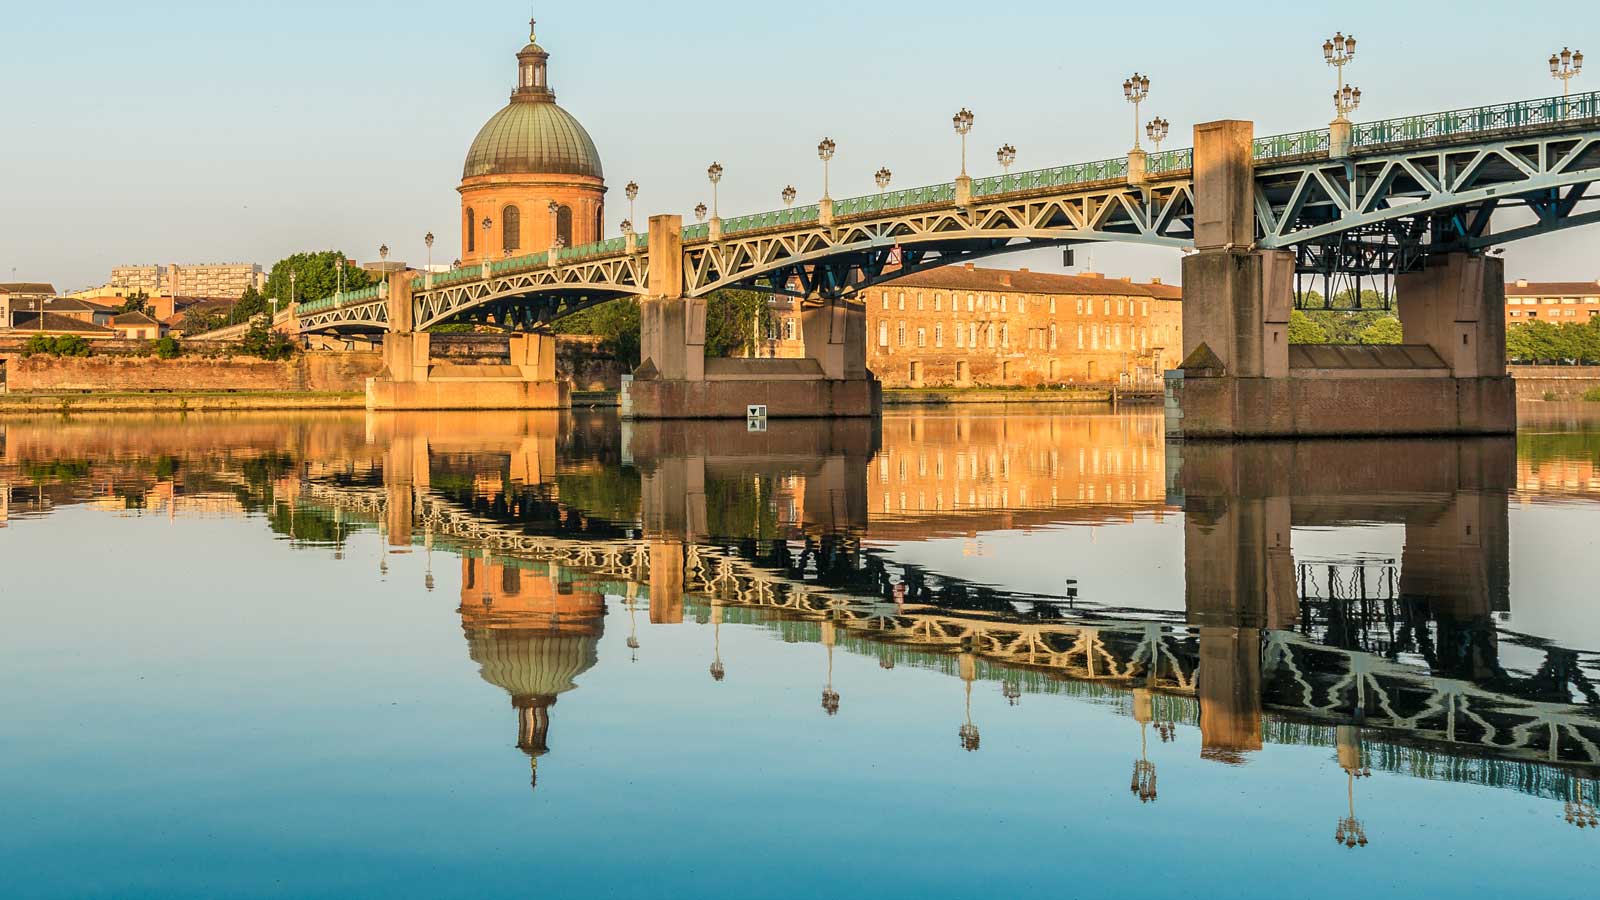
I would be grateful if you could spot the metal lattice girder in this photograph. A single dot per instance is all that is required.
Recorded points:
(1466, 182)
(1160, 215)
(576, 285)
(371, 315)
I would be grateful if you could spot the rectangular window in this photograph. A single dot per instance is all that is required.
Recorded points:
(961, 336)
(900, 334)
(1002, 302)
(885, 299)
(972, 335)
(938, 335)
(919, 301)
(922, 337)
(971, 303)
(1119, 306)
(1106, 307)
(902, 299)
(1080, 306)
(1052, 306)
(883, 334)
(938, 302)
(990, 329)
(1144, 307)
(1513, 301)
(1080, 337)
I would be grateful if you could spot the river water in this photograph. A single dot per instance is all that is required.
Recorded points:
(964, 652)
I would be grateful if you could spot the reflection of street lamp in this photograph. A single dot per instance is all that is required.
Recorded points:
(717, 669)
(1338, 51)
(1011, 690)
(1134, 90)
(789, 193)
(1350, 832)
(1579, 810)
(1143, 784)
(830, 697)
(968, 665)
(1006, 155)
(633, 625)
(1565, 66)
(825, 152)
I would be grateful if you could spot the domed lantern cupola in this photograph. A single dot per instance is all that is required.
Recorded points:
(533, 75)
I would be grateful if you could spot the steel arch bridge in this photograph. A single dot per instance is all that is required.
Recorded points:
(1407, 188)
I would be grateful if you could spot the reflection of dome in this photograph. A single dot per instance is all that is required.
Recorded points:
(533, 138)
(530, 664)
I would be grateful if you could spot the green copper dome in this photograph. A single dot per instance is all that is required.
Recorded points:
(533, 138)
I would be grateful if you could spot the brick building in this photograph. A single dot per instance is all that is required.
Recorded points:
(22, 296)
(964, 325)
(1551, 301)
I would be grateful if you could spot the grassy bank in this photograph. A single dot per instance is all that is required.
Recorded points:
(944, 396)
(176, 401)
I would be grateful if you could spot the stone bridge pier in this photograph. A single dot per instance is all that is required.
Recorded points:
(412, 380)
(676, 381)
(1240, 378)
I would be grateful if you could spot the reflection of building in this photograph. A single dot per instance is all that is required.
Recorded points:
(532, 633)
(963, 325)
(1552, 301)
(530, 156)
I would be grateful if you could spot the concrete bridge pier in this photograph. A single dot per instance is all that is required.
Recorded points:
(1239, 377)
(412, 380)
(676, 381)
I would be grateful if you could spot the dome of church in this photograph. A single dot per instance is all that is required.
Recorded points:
(533, 138)
(532, 135)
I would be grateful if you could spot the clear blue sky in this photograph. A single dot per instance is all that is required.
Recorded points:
(225, 130)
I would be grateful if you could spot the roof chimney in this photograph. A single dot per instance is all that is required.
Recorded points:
(1090, 275)
(1155, 281)
(1522, 282)
(1127, 279)
(1005, 279)
(968, 266)
(1023, 269)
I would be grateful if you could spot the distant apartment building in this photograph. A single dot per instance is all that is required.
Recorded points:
(1551, 301)
(968, 326)
(22, 296)
(212, 280)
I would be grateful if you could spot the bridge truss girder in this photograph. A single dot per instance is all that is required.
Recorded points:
(840, 261)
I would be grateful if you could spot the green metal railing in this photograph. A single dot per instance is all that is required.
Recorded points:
(771, 219)
(1277, 146)
(1168, 162)
(1501, 116)
(696, 232)
(1060, 176)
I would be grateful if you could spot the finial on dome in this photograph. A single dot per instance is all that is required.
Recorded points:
(533, 37)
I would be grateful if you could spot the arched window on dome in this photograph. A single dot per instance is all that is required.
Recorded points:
(511, 229)
(564, 225)
(472, 232)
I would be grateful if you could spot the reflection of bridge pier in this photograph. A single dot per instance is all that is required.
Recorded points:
(1240, 501)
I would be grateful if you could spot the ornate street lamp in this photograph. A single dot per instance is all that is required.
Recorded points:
(427, 240)
(699, 212)
(1565, 66)
(714, 172)
(825, 151)
(1338, 51)
(1006, 155)
(627, 226)
(1135, 89)
(487, 224)
(789, 193)
(963, 125)
(383, 258)
(632, 192)
(1156, 131)
(882, 177)
(291, 293)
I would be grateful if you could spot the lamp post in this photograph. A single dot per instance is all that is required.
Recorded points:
(789, 193)
(486, 258)
(1156, 131)
(714, 173)
(1135, 89)
(291, 290)
(383, 259)
(427, 240)
(962, 121)
(1565, 66)
(825, 152)
(1005, 156)
(1338, 51)
(882, 177)
(632, 192)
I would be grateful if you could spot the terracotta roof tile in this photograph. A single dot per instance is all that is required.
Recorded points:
(961, 278)
(1553, 289)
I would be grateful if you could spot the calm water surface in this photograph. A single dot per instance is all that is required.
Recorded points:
(964, 653)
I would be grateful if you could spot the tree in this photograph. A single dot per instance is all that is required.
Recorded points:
(252, 304)
(265, 342)
(136, 302)
(1384, 331)
(168, 347)
(1305, 330)
(732, 319)
(1533, 342)
(316, 275)
(199, 320)
(616, 323)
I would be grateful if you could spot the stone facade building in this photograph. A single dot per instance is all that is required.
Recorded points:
(967, 326)
(529, 157)
(1551, 301)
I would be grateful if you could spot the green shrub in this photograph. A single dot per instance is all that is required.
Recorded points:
(64, 345)
(168, 348)
(1592, 395)
(266, 342)
(1550, 395)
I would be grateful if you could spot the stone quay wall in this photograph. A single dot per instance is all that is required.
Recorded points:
(318, 372)
(1566, 382)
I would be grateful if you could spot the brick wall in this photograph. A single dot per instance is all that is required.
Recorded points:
(306, 372)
